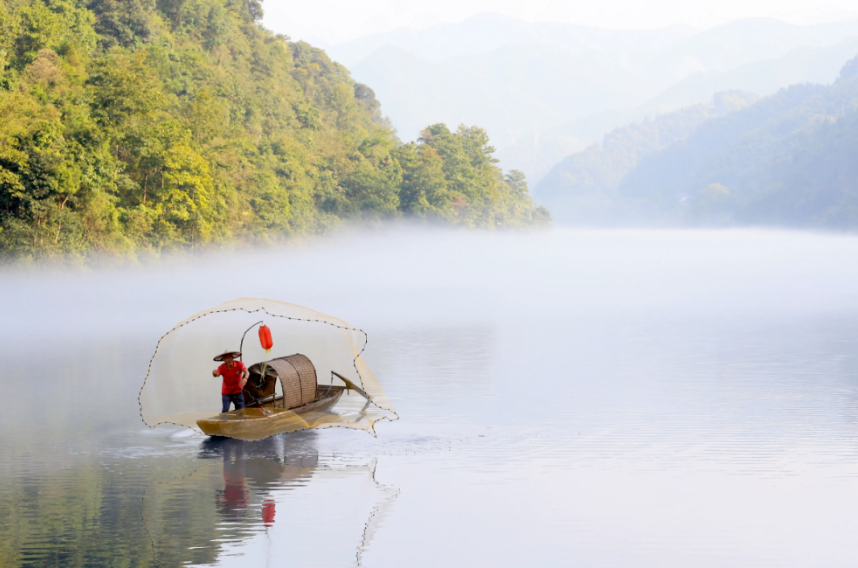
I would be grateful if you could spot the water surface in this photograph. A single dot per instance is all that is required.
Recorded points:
(605, 398)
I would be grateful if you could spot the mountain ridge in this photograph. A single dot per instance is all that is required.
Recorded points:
(785, 160)
(521, 88)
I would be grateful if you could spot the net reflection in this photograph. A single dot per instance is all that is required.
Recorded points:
(269, 500)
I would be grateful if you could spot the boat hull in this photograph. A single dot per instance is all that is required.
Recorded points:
(259, 423)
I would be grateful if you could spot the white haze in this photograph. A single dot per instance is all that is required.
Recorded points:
(602, 398)
(443, 276)
(332, 22)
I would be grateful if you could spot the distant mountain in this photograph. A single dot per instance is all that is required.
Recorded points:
(786, 160)
(511, 91)
(745, 41)
(486, 32)
(806, 64)
(803, 64)
(446, 94)
(523, 81)
(583, 188)
(536, 153)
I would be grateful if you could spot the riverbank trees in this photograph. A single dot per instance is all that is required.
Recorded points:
(136, 125)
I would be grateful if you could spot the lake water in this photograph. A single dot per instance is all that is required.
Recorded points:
(567, 398)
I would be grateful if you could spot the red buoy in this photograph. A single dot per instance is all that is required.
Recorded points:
(265, 338)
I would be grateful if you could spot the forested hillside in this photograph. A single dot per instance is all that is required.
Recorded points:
(129, 125)
(583, 187)
(786, 160)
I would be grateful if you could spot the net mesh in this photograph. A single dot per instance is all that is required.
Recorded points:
(179, 387)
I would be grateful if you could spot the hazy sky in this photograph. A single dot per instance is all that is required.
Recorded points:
(337, 21)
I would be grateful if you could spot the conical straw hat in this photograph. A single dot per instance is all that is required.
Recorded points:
(224, 355)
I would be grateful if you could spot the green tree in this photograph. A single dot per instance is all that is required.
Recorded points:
(124, 22)
(133, 125)
(59, 25)
(424, 192)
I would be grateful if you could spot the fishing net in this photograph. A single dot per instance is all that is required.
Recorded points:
(179, 387)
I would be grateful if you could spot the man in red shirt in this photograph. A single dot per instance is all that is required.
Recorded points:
(234, 375)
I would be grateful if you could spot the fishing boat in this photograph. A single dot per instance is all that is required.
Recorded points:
(283, 392)
(281, 395)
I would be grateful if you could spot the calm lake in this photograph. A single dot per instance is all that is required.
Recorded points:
(567, 398)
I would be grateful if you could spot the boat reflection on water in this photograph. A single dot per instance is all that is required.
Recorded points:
(242, 500)
(252, 469)
(223, 494)
(268, 512)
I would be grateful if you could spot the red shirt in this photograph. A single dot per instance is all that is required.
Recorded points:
(231, 377)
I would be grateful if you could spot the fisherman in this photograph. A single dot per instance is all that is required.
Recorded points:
(235, 376)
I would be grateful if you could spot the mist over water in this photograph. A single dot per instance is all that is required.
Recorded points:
(602, 398)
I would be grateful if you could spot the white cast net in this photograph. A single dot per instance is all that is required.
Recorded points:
(179, 387)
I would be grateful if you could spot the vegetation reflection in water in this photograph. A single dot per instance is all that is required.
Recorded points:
(187, 508)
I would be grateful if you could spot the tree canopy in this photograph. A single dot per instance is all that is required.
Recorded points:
(141, 125)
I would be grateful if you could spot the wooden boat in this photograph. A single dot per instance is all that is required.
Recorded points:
(268, 412)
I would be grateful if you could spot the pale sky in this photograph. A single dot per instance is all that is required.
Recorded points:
(338, 21)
